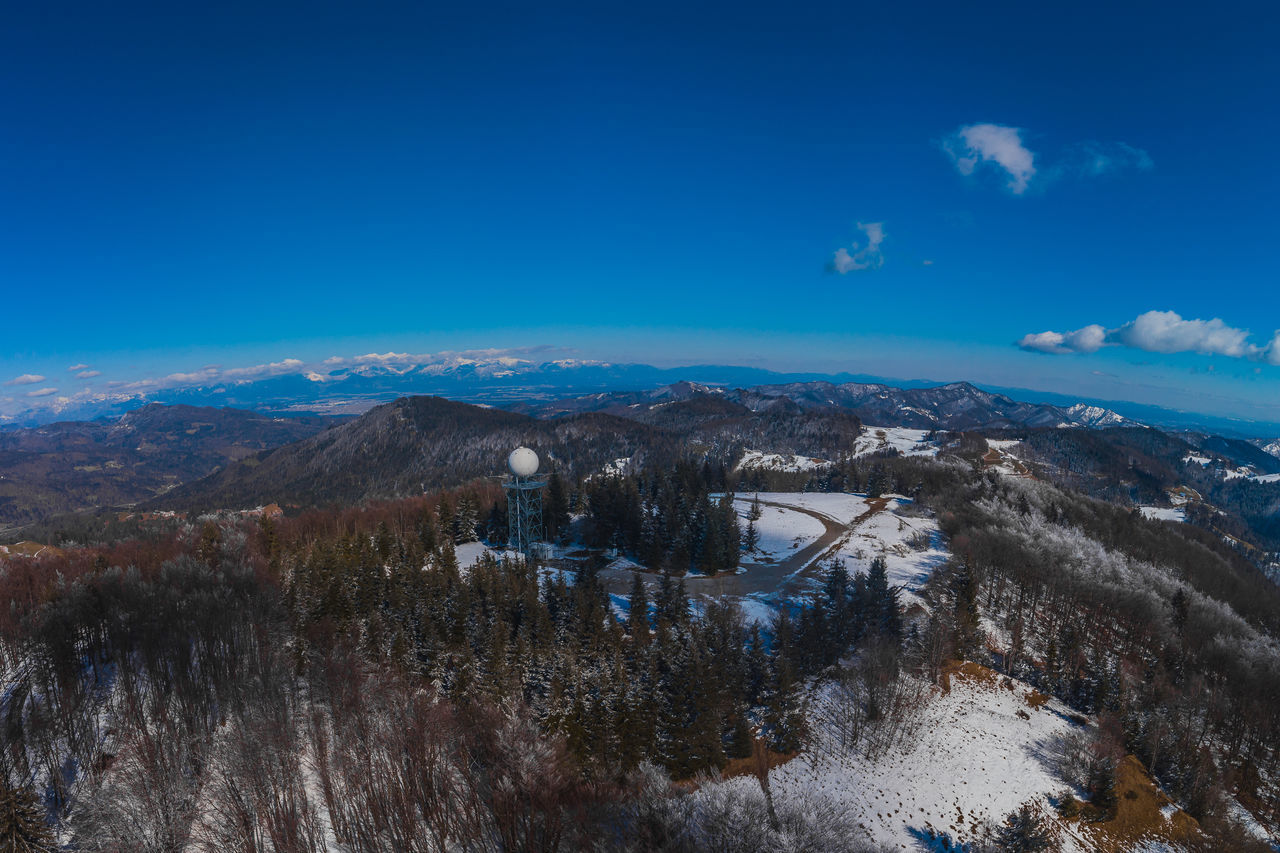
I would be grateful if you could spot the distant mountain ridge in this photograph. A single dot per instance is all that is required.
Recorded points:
(957, 406)
(351, 386)
(422, 443)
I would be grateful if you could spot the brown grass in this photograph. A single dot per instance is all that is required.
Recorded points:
(740, 767)
(747, 766)
(1138, 817)
(967, 670)
(1036, 699)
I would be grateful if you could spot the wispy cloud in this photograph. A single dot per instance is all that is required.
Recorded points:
(1002, 148)
(26, 379)
(77, 367)
(43, 392)
(1158, 331)
(1092, 159)
(995, 144)
(865, 257)
(88, 374)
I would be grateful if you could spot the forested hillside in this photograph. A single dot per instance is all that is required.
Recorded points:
(336, 679)
(424, 443)
(71, 466)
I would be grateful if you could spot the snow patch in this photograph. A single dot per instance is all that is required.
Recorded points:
(1163, 513)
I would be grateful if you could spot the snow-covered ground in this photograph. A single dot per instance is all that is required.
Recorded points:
(789, 462)
(856, 530)
(971, 755)
(782, 530)
(1164, 513)
(911, 546)
(839, 506)
(908, 442)
(1001, 458)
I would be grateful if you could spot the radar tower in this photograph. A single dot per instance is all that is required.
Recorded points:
(524, 501)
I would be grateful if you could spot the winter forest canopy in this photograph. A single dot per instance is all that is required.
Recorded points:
(334, 679)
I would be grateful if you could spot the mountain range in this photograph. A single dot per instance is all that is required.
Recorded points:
(201, 458)
(504, 378)
(957, 406)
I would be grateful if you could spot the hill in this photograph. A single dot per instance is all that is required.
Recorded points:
(958, 406)
(81, 465)
(420, 443)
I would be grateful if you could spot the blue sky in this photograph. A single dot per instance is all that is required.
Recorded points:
(251, 182)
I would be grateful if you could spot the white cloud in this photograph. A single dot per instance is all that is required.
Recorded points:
(865, 258)
(1271, 352)
(997, 144)
(76, 367)
(26, 379)
(43, 392)
(88, 374)
(275, 368)
(1158, 331)
(1166, 332)
(1002, 147)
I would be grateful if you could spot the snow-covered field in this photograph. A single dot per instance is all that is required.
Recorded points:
(972, 755)
(855, 529)
(908, 442)
(1164, 513)
(756, 460)
(783, 531)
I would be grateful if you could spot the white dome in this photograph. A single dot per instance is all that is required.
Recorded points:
(523, 462)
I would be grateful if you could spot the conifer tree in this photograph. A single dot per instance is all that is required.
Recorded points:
(638, 612)
(882, 602)
(556, 514)
(465, 521)
(23, 828)
(964, 587)
(1023, 832)
(877, 482)
(751, 538)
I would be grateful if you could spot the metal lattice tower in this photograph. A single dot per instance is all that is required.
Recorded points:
(524, 501)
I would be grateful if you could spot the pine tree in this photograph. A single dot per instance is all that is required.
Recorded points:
(882, 600)
(964, 586)
(756, 510)
(751, 538)
(23, 828)
(556, 515)
(638, 612)
(1024, 831)
(495, 526)
(465, 521)
(877, 482)
(207, 550)
(835, 603)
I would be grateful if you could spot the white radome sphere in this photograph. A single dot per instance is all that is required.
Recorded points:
(523, 462)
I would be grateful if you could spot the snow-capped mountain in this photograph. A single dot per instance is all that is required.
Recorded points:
(1082, 414)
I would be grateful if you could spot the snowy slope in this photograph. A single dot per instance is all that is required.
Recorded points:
(782, 530)
(849, 527)
(908, 442)
(1164, 513)
(971, 755)
(758, 460)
